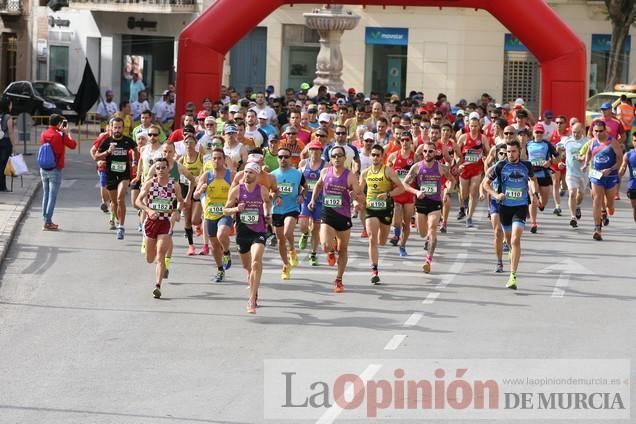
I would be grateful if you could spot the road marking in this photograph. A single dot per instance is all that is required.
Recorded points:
(67, 183)
(395, 342)
(561, 285)
(98, 185)
(332, 413)
(413, 319)
(430, 298)
(453, 270)
(317, 272)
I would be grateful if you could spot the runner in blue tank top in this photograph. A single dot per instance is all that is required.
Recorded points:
(606, 155)
(335, 183)
(629, 164)
(541, 154)
(291, 188)
(514, 179)
(494, 207)
(311, 171)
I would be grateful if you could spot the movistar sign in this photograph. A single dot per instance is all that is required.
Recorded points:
(391, 36)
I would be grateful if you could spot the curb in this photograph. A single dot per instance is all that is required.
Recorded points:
(15, 218)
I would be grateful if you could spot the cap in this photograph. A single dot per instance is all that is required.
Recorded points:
(254, 157)
(368, 136)
(202, 114)
(460, 112)
(351, 91)
(299, 103)
(262, 115)
(270, 89)
(547, 114)
(254, 167)
(341, 102)
(304, 86)
(474, 115)
(324, 117)
(210, 119)
(538, 127)
(229, 129)
(234, 108)
(606, 106)
(314, 145)
(519, 101)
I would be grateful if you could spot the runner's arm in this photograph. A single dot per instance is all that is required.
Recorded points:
(203, 178)
(140, 203)
(623, 167)
(230, 206)
(268, 203)
(410, 179)
(398, 188)
(184, 171)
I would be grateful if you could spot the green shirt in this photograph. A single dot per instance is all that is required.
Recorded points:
(271, 160)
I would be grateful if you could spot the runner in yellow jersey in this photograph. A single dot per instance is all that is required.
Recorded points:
(381, 185)
(193, 162)
(215, 184)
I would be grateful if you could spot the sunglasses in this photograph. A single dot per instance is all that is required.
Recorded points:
(538, 132)
(508, 133)
(598, 130)
(341, 133)
(337, 156)
(153, 135)
(559, 122)
(321, 135)
(375, 155)
(429, 151)
(501, 153)
(395, 122)
(160, 168)
(292, 133)
(405, 139)
(283, 156)
(209, 125)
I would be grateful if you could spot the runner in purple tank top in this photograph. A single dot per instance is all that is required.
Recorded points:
(427, 176)
(251, 204)
(335, 184)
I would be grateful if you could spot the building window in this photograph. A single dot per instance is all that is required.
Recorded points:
(10, 44)
(520, 74)
(386, 52)
(599, 61)
(300, 50)
(58, 64)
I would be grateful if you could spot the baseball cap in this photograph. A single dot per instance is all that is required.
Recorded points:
(324, 117)
(229, 129)
(202, 114)
(538, 127)
(547, 114)
(519, 101)
(474, 115)
(210, 119)
(234, 108)
(460, 112)
(606, 106)
(304, 86)
(341, 102)
(368, 136)
(314, 145)
(262, 115)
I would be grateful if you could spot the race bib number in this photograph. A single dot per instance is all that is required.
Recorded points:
(311, 185)
(285, 188)
(471, 157)
(402, 173)
(249, 217)
(376, 204)
(537, 163)
(514, 193)
(429, 188)
(118, 166)
(160, 205)
(332, 201)
(595, 173)
(184, 180)
(215, 208)
(634, 173)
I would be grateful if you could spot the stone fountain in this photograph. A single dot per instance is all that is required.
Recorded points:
(331, 22)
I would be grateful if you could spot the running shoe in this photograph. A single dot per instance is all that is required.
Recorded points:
(111, 224)
(313, 261)
(364, 234)
(220, 276)
(190, 250)
(120, 233)
(533, 228)
(461, 214)
(512, 282)
(605, 218)
(561, 193)
(293, 258)
(557, 211)
(578, 213)
(617, 196)
(205, 250)
(499, 268)
(198, 231)
(469, 223)
(339, 287)
(251, 306)
(573, 223)
(273, 241)
(104, 207)
(442, 228)
(597, 236)
(427, 266)
(331, 258)
(403, 251)
(611, 211)
(285, 273)
(140, 228)
(506, 247)
(157, 291)
(395, 240)
(302, 242)
(227, 261)
(540, 205)
(375, 278)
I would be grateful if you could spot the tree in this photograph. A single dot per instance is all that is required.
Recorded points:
(622, 15)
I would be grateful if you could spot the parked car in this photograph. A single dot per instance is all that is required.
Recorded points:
(593, 104)
(40, 98)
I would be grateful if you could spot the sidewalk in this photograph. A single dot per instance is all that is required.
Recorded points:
(13, 205)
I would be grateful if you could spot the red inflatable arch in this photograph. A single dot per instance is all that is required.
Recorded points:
(204, 43)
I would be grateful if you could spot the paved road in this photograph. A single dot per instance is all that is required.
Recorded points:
(83, 341)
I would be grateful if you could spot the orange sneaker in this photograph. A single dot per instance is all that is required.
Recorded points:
(331, 258)
(339, 286)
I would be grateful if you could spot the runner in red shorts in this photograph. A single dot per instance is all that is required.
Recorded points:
(401, 162)
(157, 198)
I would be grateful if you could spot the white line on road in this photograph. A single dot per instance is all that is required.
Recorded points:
(332, 413)
(453, 270)
(413, 319)
(430, 298)
(561, 285)
(98, 185)
(67, 183)
(395, 342)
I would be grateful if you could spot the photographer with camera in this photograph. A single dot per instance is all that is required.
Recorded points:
(58, 137)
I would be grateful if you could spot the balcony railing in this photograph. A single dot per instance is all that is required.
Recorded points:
(136, 6)
(10, 7)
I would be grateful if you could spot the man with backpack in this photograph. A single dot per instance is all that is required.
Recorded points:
(51, 161)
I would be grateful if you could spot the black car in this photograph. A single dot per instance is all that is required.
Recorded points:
(40, 98)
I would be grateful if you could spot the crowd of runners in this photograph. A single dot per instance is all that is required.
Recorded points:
(294, 173)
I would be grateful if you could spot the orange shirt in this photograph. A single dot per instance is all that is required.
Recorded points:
(625, 114)
(295, 150)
